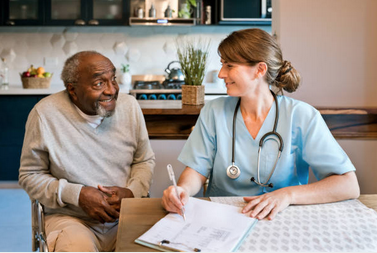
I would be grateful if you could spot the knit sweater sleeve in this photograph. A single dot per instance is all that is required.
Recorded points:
(34, 173)
(143, 161)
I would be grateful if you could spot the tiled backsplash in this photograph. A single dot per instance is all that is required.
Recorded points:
(148, 50)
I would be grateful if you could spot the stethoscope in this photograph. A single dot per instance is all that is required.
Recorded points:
(233, 171)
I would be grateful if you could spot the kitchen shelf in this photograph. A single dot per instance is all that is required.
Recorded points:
(162, 21)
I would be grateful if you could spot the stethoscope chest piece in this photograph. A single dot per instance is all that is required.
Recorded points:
(233, 171)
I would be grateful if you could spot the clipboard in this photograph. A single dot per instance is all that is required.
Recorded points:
(209, 227)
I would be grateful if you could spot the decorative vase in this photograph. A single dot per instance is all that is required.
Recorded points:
(125, 79)
(192, 94)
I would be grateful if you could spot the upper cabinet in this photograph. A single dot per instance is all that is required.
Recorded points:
(66, 12)
(134, 12)
(81, 12)
(22, 12)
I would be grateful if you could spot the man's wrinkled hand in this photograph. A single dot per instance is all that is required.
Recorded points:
(115, 195)
(94, 203)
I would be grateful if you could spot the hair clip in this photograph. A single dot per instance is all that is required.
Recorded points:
(287, 71)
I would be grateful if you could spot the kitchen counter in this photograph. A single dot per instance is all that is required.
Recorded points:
(169, 119)
(18, 90)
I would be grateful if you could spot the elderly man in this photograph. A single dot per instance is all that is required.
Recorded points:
(85, 149)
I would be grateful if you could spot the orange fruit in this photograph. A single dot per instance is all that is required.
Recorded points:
(40, 70)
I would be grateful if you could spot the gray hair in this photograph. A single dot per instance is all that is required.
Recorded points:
(70, 73)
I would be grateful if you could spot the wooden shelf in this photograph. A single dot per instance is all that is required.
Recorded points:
(177, 122)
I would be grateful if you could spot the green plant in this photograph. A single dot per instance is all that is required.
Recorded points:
(193, 56)
(125, 68)
(187, 12)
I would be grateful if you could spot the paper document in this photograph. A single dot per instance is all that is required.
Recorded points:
(209, 227)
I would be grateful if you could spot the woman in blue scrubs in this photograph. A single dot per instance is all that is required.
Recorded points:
(252, 64)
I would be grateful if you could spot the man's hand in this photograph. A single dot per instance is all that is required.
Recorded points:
(94, 203)
(268, 204)
(115, 195)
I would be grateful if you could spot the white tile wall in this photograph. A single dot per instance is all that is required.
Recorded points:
(148, 50)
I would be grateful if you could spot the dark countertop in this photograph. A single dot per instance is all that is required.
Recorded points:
(172, 120)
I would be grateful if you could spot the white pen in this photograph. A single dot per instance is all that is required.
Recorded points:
(172, 178)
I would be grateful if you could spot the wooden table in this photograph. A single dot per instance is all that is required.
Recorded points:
(139, 215)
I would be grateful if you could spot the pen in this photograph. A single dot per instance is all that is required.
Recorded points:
(172, 178)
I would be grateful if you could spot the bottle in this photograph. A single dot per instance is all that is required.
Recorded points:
(208, 15)
(168, 12)
(140, 13)
(4, 75)
(152, 11)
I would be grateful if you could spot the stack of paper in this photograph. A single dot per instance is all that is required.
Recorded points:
(209, 227)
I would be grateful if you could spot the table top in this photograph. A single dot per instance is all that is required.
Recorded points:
(138, 215)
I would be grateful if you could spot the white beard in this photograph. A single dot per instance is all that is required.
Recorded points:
(101, 111)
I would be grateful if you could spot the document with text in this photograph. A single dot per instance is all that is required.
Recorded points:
(209, 227)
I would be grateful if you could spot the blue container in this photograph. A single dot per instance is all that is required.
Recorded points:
(161, 97)
(152, 97)
(171, 97)
(143, 97)
(179, 97)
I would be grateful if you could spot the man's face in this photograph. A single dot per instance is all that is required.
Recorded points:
(97, 90)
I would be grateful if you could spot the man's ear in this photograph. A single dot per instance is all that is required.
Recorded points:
(261, 69)
(71, 91)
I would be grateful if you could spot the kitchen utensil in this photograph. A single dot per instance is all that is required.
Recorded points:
(174, 74)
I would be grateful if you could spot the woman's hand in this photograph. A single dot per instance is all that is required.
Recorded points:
(268, 204)
(170, 201)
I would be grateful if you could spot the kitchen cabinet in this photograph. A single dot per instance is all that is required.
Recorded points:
(65, 12)
(14, 110)
(85, 12)
(22, 12)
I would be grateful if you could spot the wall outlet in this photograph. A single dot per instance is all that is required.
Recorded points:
(50, 61)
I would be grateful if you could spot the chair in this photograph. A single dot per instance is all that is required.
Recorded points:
(38, 238)
(205, 186)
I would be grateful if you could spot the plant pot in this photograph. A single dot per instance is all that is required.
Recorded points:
(192, 94)
(125, 79)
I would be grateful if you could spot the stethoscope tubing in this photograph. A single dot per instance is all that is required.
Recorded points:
(264, 138)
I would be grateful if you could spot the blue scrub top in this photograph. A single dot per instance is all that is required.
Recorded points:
(307, 142)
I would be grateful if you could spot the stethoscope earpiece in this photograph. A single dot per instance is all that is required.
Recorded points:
(233, 171)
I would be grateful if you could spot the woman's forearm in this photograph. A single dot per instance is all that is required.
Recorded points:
(191, 180)
(331, 189)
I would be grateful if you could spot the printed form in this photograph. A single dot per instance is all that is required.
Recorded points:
(209, 226)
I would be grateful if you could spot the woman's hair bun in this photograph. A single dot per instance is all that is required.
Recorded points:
(288, 77)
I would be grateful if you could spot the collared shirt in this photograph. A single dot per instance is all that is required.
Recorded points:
(307, 143)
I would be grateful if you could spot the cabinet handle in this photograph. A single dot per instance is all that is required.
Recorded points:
(93, 22)
(79, 22)
(10, 22)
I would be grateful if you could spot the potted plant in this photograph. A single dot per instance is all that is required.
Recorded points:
(193, 56)
(185, 10)
(126, 76)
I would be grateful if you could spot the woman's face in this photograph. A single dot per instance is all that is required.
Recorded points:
(239, 78)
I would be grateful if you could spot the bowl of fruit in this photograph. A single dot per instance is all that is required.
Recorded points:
(36, 78)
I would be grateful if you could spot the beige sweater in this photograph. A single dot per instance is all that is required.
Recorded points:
(62, 152)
